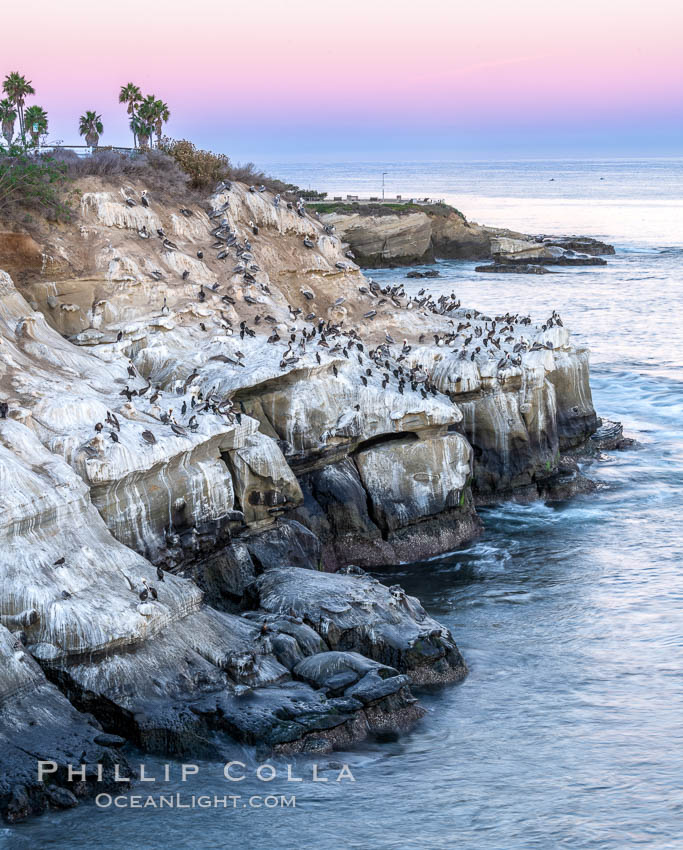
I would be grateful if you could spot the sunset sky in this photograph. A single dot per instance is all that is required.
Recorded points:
(366, 79)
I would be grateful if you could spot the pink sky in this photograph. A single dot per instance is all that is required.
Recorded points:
(341, 69)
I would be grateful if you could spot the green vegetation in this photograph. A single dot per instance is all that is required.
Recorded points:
(131, 95)
(204, 168)
(147, 114)
(8, 117)
(377, 209)
(90, 125)
(18, 88)
(32, 183)
(35, 179)
(36, 123)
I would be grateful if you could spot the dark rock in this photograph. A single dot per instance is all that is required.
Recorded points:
(224, 575)
(580, 244)
(608, 435)
(335, 508)
(373, 687)
(358, 614)
(512, 268)
(327, 669)
(288, 542)
(37, 723)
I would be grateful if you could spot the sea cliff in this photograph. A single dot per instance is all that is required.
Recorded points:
(383, 236)
(211, 421)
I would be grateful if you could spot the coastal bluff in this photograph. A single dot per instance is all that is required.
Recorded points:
(210, 422)
(388, 235)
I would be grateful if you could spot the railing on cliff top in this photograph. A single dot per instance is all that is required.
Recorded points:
(356, 199)
(88, 150)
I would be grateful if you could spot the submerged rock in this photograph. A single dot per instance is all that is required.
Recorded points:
(513, 268)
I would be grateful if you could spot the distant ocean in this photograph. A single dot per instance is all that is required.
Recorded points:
(628, 201)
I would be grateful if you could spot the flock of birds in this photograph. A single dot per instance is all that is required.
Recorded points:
(391, 365)
(470, 335)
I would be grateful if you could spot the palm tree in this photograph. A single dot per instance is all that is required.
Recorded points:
(162, 113)
(8, 115)
(36, 122)
(142, 130)
(17, 88)
(90, 126)
(131, 94)
(149, 112)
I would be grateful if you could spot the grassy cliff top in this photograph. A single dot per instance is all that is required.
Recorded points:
(376, 209)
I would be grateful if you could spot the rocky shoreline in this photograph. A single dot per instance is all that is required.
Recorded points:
(384, 237)
(210, 422)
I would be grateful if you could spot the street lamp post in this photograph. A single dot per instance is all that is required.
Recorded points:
(384, 173)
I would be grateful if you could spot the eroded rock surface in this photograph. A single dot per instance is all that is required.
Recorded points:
(201, 416)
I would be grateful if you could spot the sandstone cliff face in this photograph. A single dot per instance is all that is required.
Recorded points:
(387, 240)
(406, 238)
(200, 412)
(379, 238)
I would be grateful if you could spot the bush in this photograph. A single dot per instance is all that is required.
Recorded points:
(32, 183)
(159, 171)
(204, 168)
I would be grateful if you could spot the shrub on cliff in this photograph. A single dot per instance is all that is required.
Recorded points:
(204, 168)
(156, 169)
(32, 183)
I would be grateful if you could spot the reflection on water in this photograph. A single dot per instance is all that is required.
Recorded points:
(567, 732)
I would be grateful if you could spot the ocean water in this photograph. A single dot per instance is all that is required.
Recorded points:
(568, 732)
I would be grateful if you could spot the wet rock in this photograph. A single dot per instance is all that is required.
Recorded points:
(609, 435)
(224, 575)
(289, 542)
(358, 614)
(37, 723)
(512, 250)
(579, 244)
(335, 508)
(513, 268)
(336, 671)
